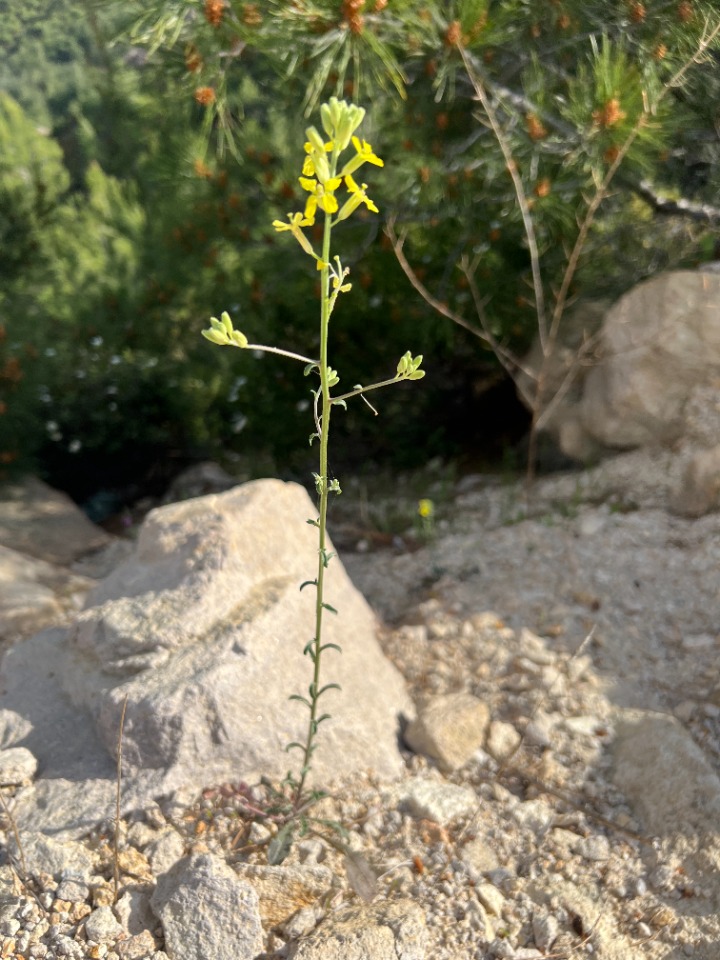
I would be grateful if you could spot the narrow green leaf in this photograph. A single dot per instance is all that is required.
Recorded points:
(296, 696)
(329, 607)
(308, 583)
(309, 369)
(338, 403)
(328, 686)
(330, 646)
(281, 845)
(313, 523)
(294, 746)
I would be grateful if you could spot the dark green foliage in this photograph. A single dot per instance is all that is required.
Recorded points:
(129, 212)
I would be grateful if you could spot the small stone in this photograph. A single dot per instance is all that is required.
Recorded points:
(535, 815)
(72, 890)
(545, 930)
(165, 851)
(140, 835)
(258, 832)
(596, 849)
(538, 732)
(449, 729)
(137, 947)
(440, 802)
(491, 898)
(534, 648)
(102, 925)
(133, 911)
(480, 856)
(503, 740)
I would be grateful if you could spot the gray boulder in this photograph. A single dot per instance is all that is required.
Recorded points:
(202, 630)
(44, 523)
(658, 342)
(654, 376)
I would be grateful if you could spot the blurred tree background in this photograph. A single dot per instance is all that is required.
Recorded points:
(145, 148)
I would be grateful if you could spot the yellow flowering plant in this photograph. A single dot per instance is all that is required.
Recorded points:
(333, 193)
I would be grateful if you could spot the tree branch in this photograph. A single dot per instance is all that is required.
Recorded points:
(703, 212)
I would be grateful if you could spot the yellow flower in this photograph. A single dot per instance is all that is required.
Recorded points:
(321, 195)
(294, 223)
(363, 155)
(357, 196)
(426, 508)
(316, 164)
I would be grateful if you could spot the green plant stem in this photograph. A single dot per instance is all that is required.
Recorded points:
(325, 409)
(279, 351)
(361, 390)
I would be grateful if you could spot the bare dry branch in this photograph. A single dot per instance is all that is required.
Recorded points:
(519, 193)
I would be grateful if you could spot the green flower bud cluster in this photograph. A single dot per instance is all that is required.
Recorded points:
(223, 333)
(408, 367)
(340, 120)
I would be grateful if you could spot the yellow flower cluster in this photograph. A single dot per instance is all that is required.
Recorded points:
(320, 175)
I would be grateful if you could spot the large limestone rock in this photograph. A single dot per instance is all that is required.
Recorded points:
(659, 341)
(202, 631)
(44, 523)
(652, 379)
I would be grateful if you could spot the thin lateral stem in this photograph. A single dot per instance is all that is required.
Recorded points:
(118, 790)
(361, 390)
(280, 352)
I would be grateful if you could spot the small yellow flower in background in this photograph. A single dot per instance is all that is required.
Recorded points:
(426, 509)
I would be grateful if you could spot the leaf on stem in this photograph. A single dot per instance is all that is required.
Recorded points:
(360, 875)
(330, 646)
(308, 583)
(281, 845)
(297, 696)
(327, 606)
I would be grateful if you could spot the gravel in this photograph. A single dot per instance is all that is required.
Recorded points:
(561, 620)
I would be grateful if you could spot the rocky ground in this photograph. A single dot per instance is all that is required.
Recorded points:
(565, 797)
